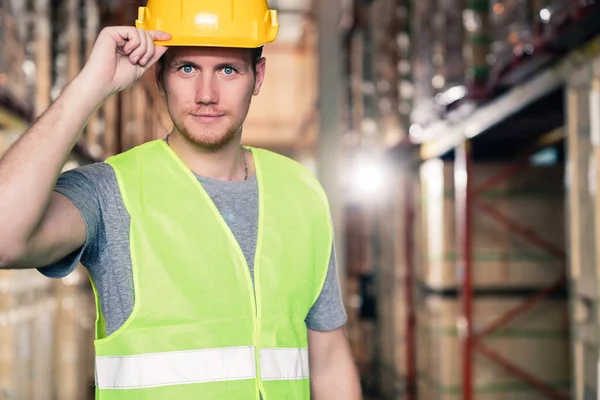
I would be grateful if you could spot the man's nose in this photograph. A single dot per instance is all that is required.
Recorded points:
(206, 90)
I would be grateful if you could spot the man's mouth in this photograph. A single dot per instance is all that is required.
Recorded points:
(207, 117)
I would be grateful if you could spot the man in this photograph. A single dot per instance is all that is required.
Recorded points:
(213, 264)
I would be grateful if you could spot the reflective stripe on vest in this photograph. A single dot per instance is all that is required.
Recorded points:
(282, 364)
(200, 327)
(198, 366)
(174, 368)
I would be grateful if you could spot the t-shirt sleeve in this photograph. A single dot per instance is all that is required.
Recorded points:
(81, 187)
(328, 313)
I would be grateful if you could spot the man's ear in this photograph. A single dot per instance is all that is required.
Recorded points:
(261, 70)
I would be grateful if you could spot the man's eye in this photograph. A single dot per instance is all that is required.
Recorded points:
(228, 71)
(188, 69)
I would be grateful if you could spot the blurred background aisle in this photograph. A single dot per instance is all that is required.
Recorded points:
(459, 143)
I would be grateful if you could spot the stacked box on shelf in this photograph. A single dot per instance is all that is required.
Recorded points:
(583, 125)
(537, 342)
(392, 335)
(358, 256)
(423, 343)
(73, 347)
(26, 320)
(392, 313)
(385, 320)
(502, 259)
(421, 339)
(505, 267)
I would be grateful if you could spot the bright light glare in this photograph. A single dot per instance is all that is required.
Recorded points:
(368, 178)
(545, 15)
(451, 95)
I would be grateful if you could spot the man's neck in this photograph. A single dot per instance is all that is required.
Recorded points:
(225, 164)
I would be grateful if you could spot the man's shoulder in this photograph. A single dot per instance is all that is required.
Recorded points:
(96, 180)
(95, 173)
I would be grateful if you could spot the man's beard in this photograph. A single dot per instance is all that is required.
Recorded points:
(210, 145)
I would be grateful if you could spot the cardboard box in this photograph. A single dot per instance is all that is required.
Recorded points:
(393, 312)
(26, 316)
(583, 131)
(41, 384)
(537, 342)
(73, 350)
(534, 198)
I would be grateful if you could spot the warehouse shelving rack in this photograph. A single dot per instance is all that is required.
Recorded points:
(502, 129)
(468, 198)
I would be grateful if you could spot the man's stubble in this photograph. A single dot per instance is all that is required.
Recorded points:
(203, 138)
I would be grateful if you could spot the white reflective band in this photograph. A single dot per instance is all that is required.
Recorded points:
(284, 364)
(175, 368)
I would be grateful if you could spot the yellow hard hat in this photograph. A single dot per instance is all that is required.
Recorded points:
(219, 23)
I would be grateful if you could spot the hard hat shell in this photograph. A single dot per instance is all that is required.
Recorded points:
(219, 23)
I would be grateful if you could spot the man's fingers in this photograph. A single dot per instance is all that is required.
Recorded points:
(138, 53)
(159, 35)
(149, 50)
(133, 41)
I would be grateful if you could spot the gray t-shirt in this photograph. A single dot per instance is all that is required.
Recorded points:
(95, 192)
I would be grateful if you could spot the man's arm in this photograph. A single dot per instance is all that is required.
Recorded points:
(38, 226)
(333, 373)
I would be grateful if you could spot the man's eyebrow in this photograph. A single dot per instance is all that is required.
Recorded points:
(181, 62)
(240, 66)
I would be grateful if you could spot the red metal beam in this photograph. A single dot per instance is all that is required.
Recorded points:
(409, 216)
(531, 236)
(502, 176)
(524, 375)
(520, 309)
(523, 231)
(463, 194)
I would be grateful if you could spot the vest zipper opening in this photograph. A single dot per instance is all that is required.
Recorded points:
(253, 288)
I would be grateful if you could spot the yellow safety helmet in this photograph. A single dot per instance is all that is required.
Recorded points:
(219, 23)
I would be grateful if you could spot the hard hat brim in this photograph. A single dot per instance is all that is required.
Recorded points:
(195, 41)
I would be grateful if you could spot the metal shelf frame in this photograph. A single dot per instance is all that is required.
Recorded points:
(443, 136)
(467, 200)
(409, 279)
(456, 134)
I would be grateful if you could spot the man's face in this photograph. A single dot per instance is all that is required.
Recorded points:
(209, 90)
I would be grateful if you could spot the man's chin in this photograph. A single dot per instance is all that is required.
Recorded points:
(210, 142)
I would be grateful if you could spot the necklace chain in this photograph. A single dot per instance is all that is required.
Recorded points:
(243, 156)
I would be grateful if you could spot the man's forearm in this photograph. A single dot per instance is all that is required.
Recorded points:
(338, 381)
(28, 171)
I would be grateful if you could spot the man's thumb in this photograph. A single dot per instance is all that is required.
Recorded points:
(159, 35)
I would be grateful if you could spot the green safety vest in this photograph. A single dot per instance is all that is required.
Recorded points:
(199, 329)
